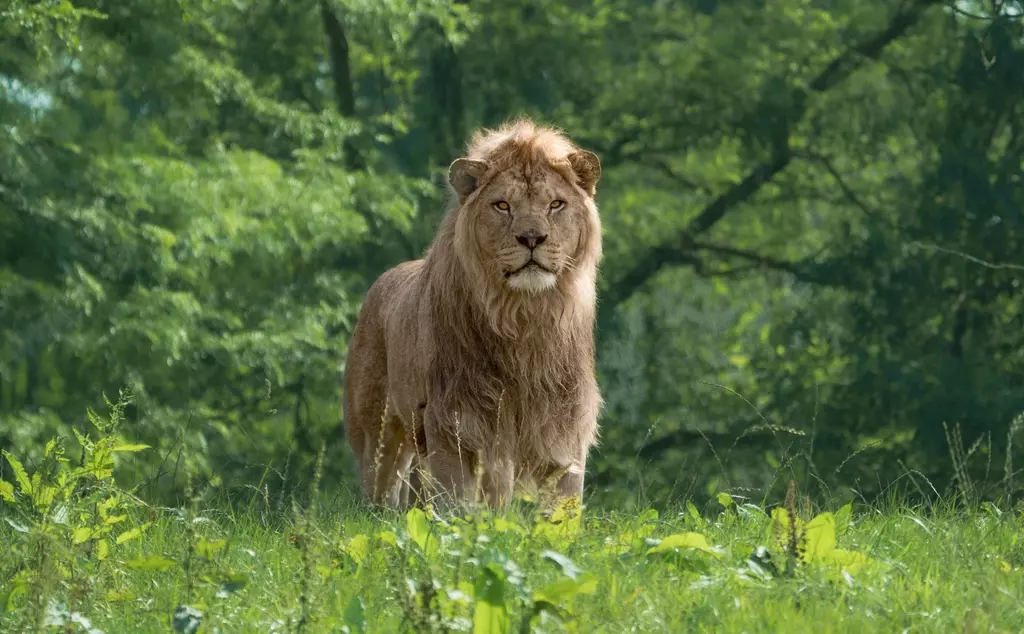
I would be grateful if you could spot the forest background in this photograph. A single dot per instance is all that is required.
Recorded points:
(812, 210)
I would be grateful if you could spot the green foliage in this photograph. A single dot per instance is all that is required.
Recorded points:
(816, 541)
(67, 519)
(812, 273)
(811, 222)
(178, 214)
(240, 568)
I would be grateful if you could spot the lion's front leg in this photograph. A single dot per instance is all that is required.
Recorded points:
(498, 478)
(460, 474)
(563, 467)
(571, 482)
(451, 467)
(385, 462)
(562, 480)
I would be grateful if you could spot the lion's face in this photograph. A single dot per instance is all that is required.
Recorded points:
(529, 229)
(529, 225)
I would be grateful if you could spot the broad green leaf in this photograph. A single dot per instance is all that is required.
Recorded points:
(693, 512)
(725, 499)
(564, 523)
(232, 582)
(650, 515)
(130, 448)
(849, 560)
(739, 360)
(114, 519)
(418, 527)
(42, 494)
(490, 615)
(151, 563)
(18, 526)
(131, 534)
(355, 616)
(20, 475)
(6, 491)
(102, 548)
(843, 517)
(564, 590)
(81, 534)
(7, 600)
(683, 541)
(60, 513)
(356, 548)
(819, 536)
(208, 549)
(502, 525)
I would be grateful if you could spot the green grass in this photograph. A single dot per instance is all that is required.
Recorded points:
(80, 554)
(941, 570)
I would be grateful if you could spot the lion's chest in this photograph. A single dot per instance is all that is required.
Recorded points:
(510, 401)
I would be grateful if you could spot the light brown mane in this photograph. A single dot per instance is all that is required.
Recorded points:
(533, 343)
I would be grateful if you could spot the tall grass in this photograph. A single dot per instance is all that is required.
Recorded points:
(84, 555)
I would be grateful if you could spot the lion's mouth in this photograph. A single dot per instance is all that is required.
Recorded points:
(530, 264)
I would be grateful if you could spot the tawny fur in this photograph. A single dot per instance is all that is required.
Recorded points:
(468, 362)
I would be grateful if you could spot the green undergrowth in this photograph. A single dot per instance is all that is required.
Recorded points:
(82, 555)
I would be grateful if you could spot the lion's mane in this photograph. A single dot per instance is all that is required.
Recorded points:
(511, 371)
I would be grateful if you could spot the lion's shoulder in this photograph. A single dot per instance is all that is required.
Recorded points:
(394, 290)
(399, 276)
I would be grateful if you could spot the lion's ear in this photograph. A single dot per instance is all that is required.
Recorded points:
(588, 169)
(464, 176)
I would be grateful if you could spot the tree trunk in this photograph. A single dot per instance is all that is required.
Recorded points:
(341, 75)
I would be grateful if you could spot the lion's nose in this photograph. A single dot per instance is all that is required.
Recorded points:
(531, 239)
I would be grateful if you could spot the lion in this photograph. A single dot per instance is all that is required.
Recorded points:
(476, 362)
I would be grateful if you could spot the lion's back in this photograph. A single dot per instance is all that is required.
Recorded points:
(380, 331)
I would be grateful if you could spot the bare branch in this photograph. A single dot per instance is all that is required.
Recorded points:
(967, 256)
(998, 10)
(757, 260)
(841, 182)
(663, 166)
(672, 250)
(733, 272)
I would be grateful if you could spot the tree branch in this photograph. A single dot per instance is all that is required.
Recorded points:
(673, 250)
(848, 192)
(687, 254)
(662, 165)
(735, 271)
(757, 260)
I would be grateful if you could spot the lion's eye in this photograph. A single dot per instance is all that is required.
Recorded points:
(502, 206)
(556, 205)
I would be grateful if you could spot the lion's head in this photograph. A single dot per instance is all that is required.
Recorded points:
(527, 222)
